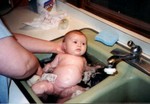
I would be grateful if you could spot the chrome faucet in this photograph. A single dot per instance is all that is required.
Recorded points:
(134, 58)
(134, 55)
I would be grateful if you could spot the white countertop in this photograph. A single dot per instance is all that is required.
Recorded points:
(20, 15)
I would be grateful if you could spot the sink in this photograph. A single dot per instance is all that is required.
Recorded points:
(27, 91)
(135, 90)
(90, 60)
(127, 85)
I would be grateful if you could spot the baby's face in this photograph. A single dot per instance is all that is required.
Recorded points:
(76, 45)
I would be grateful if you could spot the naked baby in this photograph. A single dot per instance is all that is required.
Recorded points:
(66, 70)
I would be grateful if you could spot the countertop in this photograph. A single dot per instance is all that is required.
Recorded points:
(16, 19)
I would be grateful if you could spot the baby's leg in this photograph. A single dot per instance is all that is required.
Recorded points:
(71, 90)
(43, 87)
(67, 93)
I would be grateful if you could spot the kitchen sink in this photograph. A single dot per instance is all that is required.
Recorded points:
(100, 76)
(128, 85)
(132, 90)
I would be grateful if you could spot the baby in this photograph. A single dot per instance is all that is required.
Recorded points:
(66, 69)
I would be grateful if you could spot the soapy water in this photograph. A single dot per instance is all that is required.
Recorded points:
(94, 77)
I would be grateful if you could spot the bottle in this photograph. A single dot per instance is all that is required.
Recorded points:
(46, 6)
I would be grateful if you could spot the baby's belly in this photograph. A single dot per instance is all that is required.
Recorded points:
(67, 77)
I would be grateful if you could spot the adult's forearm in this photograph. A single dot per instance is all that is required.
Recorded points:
(35, 45)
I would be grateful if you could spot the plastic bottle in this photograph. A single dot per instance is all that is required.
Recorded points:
(46, 6)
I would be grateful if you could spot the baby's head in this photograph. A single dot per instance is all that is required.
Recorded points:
(75, 43)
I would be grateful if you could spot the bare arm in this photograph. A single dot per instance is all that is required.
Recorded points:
(88, 67)
(16, 61)
(37, 45)
(52, 65)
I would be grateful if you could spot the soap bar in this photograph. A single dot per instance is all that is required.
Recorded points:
(107, 37)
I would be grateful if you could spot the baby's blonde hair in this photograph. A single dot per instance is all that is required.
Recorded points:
(71, 33)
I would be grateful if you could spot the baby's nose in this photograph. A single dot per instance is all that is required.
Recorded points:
(79, 44)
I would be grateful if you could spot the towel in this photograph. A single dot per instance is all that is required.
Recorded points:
(47, 21)
(107, 37)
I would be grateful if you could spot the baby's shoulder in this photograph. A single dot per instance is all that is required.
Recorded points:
(65, 56)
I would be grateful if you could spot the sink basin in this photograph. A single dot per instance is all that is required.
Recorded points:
(90, 60)
(29, 94)
(134, 90)
(128, 85)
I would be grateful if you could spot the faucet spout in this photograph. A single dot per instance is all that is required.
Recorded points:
(115, 59)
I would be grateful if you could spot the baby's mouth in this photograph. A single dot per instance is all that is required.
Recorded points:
(78, 50)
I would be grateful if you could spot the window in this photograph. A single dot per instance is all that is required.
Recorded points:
(131, 14)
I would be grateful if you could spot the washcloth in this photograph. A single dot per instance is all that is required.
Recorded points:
(47, 21)
(107, 37)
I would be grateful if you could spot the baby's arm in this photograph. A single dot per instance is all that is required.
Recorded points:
(89, 70)
(51, 66)
(88, 67)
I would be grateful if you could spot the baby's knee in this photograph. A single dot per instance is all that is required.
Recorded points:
(43, 87)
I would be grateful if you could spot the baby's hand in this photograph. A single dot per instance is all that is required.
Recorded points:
(48, 68)
(93, 67)
(39, 71)
(97, 66)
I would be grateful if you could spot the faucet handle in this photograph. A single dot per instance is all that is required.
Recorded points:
(135, 49)
(131, 44)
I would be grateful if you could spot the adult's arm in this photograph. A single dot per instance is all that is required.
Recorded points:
(38, 45)
(15, 60)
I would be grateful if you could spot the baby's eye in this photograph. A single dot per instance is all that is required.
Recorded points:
(75, 42)
(83, 43)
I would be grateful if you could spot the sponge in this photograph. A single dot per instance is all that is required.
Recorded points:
(107, 37)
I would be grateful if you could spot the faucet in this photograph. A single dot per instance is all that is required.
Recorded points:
(134, 55)
(134, 58)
